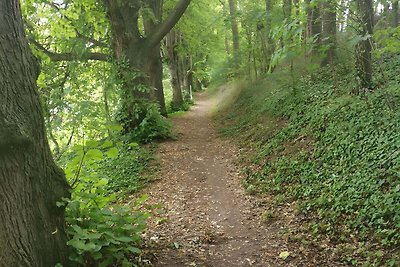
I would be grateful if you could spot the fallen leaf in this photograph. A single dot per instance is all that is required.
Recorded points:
(284, 255)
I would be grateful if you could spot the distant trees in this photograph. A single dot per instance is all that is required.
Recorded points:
(32, 226)
(272, 32)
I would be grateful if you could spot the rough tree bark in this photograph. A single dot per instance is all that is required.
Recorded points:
(154, 65)
(329, 30)
(142, 54)
(32, 226)
(364, 47)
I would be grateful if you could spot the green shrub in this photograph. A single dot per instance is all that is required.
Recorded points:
(101, 232)
(153, 127)
(128, 172)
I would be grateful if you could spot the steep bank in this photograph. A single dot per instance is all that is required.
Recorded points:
(332, 156)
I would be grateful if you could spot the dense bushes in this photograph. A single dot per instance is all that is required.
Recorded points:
(337, 154)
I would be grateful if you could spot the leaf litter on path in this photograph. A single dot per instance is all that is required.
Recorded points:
(207, 219)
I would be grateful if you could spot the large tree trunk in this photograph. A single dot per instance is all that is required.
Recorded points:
(154, 68)
(142, 54)
(364, 47)
(130, 53)
(329, 31)
(173, 63)
(32, 226)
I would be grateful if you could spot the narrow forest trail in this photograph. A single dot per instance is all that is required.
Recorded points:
(210, 220)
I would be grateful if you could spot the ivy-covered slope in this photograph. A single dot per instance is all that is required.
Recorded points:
(336, 154)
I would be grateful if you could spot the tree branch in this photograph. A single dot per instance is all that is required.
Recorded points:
(168, 24)
(69, 56)
(77, 32)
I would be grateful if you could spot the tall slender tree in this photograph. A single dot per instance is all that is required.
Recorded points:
(269, 5)
(364, 47)
(171, 42)
(235, 32)
(329, 30)
(395, 13)
(314, 24)
(32, 226)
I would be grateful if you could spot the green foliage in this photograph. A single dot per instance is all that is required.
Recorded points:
(102, 236)
(152, 127)
(388, 40)
(336, 154)
(129, 171)
(102, 232)
(288, 36)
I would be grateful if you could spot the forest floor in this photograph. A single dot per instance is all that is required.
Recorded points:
(206, 218)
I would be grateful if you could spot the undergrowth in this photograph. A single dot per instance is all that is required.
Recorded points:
(336, 154)
(104, 228)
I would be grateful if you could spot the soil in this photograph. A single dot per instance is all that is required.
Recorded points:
(205, 217)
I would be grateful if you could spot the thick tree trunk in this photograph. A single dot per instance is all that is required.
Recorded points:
(141, 53)
(32, 226)
(329, 31)
(364, 47)
(154, 74)
(130, 52)
(173, 63)
(154, 70)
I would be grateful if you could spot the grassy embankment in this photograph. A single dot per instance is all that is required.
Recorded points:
(335, 154)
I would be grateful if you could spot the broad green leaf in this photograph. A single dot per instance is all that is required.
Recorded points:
(112, 153)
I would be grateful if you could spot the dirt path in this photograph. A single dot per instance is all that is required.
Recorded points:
(209, 220)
